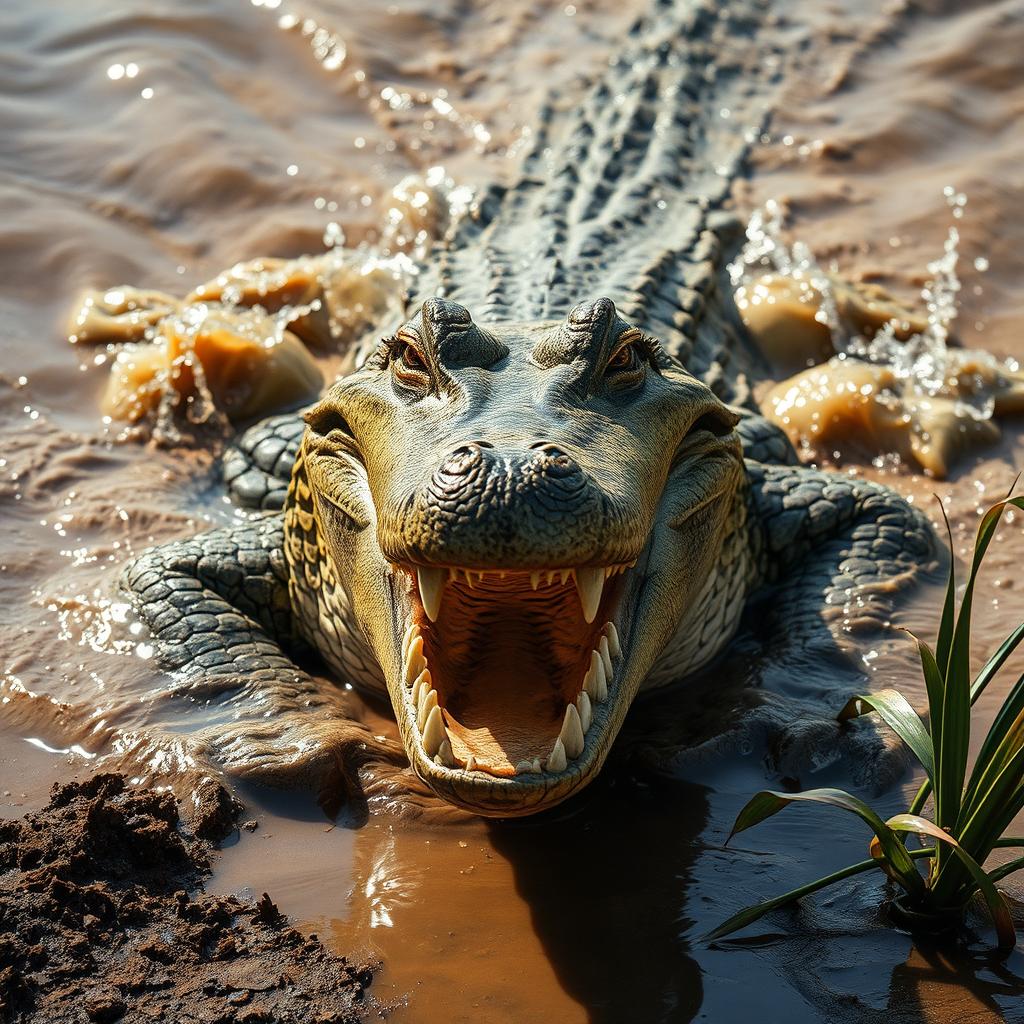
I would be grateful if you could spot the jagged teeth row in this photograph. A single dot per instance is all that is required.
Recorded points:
(589, 583)
(578, 715)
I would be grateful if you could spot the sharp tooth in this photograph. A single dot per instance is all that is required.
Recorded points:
(590, 583)
(535, 580)
(445, 755)
(556, 759)
(431, 583)
(583, 707)
(595, 682)
(411, 632)
(572, 732)
(453, 575)
(606, 657)
(613, 639)
(536, 766)
(433, 730)
(565, 574)
(423, 680)
(601, 682)
(427, 704)
(471, 763)
(548, 577)
(415, 663)
(590, 679)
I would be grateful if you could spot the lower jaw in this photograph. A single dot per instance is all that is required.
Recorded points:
(519, 796)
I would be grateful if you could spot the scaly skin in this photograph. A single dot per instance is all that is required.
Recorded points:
(519, 426)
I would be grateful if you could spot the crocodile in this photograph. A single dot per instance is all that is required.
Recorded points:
(548, 489)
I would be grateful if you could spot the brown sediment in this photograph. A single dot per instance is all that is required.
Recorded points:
(783, 313)
(105, 920)
(861, 409)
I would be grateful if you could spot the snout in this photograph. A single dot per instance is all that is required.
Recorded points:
(504, 509)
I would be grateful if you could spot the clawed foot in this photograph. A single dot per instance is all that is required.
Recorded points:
(801, 744)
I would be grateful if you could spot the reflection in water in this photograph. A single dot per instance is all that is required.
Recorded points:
(605, 878)
(935, 987)
(577, 916)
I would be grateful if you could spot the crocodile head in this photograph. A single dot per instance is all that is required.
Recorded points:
(522, 515)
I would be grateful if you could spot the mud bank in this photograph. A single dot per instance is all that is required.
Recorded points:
(105, 919)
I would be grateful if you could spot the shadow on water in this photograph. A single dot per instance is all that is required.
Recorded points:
(605, 879)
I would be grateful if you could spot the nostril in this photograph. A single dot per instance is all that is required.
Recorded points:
(552, 461)
(463, 459)
(548, 448)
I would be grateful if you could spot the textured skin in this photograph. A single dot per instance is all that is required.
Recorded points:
(619, 197)
(258, 466)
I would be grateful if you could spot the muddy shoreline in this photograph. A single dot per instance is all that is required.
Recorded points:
(105, 919)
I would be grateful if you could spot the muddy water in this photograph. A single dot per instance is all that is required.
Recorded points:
(157, 144)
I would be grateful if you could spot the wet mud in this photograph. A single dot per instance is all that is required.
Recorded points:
(166, 174)
(105, 920)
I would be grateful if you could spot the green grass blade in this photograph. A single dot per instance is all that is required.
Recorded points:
(999, 873)
(997, 906)
(769, 802)
(754, 913)
(998, 799)
(936, 689)
(1005, 725)
(945, 637)
(984, 677)
(954, 731)
(894, 709)
(995, 663)
(950, 721)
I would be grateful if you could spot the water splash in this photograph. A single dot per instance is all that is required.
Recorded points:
(922, 361)
(236, 346)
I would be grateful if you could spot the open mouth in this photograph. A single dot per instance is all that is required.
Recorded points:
(506, 672)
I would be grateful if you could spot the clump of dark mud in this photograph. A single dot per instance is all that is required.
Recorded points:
(104, 919)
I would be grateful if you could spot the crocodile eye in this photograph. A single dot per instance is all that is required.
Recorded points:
(624, 358)
(409, 365)
(412, 358)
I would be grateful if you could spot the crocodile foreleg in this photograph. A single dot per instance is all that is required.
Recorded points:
(835, 554)
(218, 607)
(258, 466)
